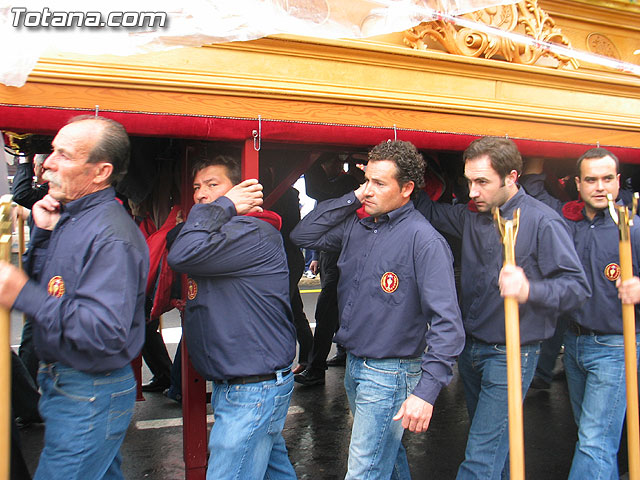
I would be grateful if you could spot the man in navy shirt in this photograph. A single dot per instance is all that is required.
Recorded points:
(594, 348)
(399, 316)
(88, 308)
(238, 320)
(548, 279)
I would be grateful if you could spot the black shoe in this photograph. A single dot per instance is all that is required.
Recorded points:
(171, 394)
(156, 385)
(309, 378)
(338, 360)
(539, 384)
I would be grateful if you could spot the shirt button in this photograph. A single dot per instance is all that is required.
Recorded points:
(375, 231)
(349, 201)
(592, 226)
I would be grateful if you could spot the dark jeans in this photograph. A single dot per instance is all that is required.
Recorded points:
(549, 350)
(303, 330)
(24, 392)
(327, 319)
(19, 470)
(154, 351)
(176, 371)
(27, 352)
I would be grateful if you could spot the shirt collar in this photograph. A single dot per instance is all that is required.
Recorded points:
(88, 201)
(512, 204)
(392, 217)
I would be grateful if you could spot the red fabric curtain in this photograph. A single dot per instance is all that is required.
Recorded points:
(49, 120)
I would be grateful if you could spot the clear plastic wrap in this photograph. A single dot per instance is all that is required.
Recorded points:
(201, 22)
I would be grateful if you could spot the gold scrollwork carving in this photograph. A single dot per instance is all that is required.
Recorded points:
(525, 17)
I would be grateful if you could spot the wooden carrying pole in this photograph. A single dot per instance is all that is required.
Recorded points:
(5, 346)
(509, 230)
(621, 216)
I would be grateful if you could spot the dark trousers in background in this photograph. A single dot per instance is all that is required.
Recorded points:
(154, 352)
(295, 261)
(327, 319)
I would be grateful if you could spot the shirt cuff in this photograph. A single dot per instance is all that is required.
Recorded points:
(31, 298)
(427, 389)
(536, 293)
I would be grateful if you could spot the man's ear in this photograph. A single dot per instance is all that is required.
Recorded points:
(511, 178)
(577, 179)
(102, 172)
(407, 189)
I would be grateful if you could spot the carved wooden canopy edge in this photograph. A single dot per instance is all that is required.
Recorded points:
(525, 18)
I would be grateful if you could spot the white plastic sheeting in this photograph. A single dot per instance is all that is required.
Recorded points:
(201, 22)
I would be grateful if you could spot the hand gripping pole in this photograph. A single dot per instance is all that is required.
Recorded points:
(509, 231)
(624, 219)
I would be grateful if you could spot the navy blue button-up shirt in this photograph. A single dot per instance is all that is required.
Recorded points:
(238, 318)
(544, 250)
(396, 292)
(597, 244)
(88, 309)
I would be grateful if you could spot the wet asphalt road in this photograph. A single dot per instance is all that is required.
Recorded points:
(318, 428)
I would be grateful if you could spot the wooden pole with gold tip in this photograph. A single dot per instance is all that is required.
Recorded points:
(624, 219)
(21, 242)
(5, 345)
(509, 231)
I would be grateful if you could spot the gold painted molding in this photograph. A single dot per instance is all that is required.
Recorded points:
(555, 129)
(314, 74)
(525, 16)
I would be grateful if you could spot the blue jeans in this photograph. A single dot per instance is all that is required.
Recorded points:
(376, 388)
(246, 438)
(483, 369)
(596, 379)
(86, 418)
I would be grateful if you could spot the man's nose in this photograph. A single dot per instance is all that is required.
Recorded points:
(46, 165)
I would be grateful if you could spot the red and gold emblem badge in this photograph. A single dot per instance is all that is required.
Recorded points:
(612, 271)
(192, 288)
(56, 286)
(389, 282)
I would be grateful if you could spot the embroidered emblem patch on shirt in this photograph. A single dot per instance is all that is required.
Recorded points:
(612, 271)
(56, 286)
(389, 282)
(192, 288)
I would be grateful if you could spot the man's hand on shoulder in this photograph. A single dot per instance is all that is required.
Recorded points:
(46, 212)
(415, 414)
(12, 280)
(514, 283)
(246, 196)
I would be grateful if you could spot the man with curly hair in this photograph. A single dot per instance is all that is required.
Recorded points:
(399, 316)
